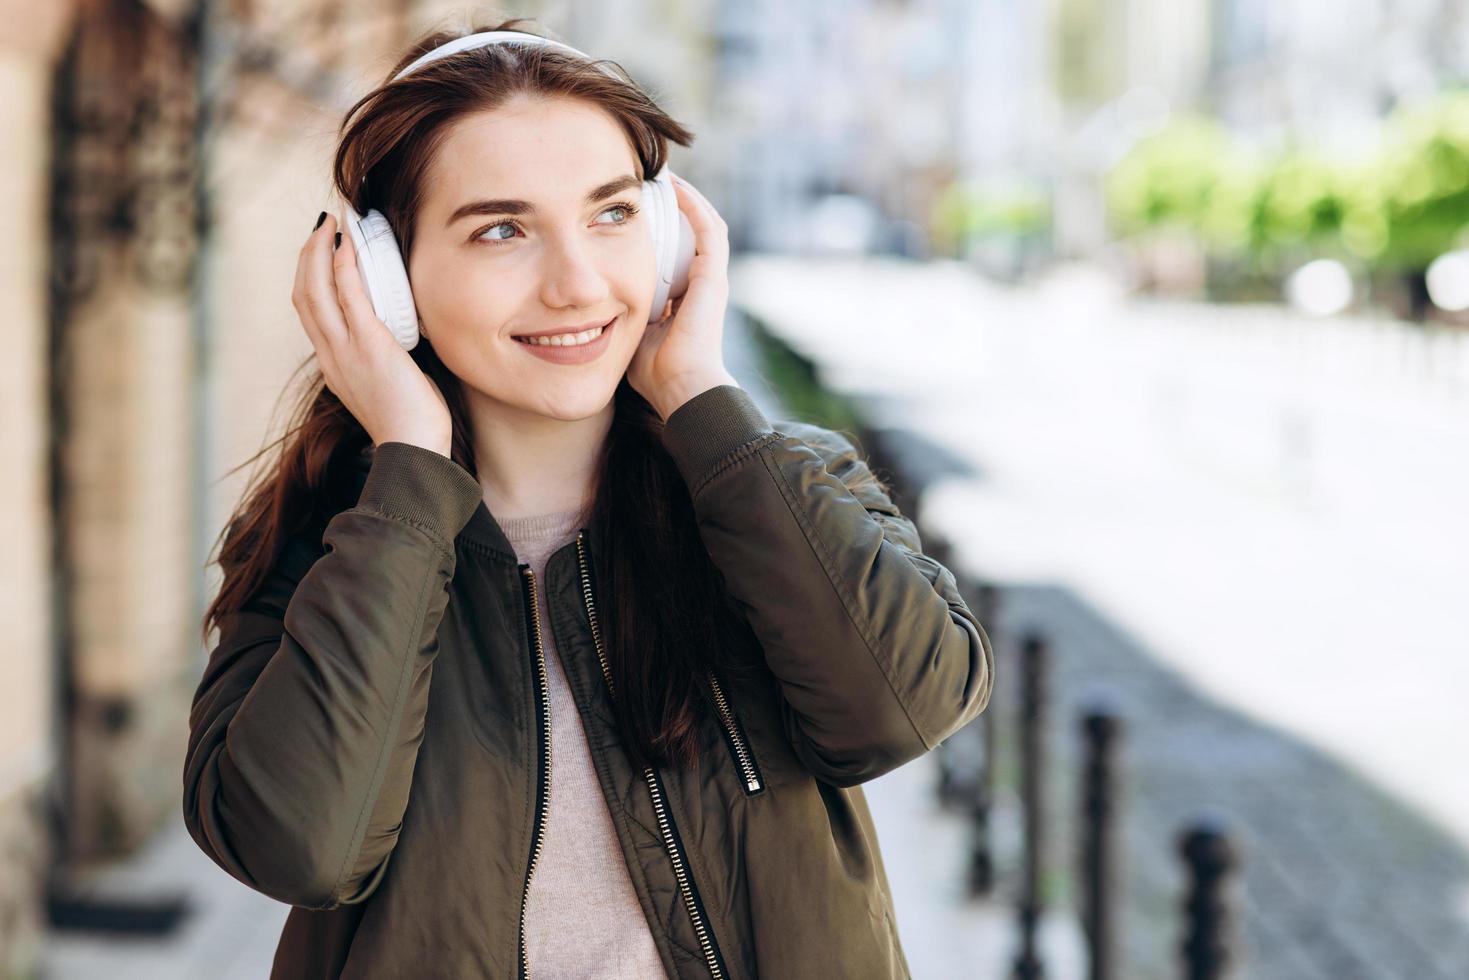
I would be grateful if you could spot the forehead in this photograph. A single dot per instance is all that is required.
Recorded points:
(532, 147)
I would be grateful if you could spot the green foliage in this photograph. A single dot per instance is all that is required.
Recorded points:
(1364, 229)
(1300, 199)
(1166, 179)
(968, 211)
(1233, 219)
(1425, 166)
(1398, 208)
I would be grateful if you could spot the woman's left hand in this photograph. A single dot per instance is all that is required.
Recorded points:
(682, 354)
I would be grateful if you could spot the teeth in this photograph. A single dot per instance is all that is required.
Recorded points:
(565, 339)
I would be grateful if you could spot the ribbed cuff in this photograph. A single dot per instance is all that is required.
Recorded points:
(701, 432)
(422, 487)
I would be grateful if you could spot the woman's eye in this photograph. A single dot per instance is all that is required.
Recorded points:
(503, 224)
(627, 209)
(485, 234)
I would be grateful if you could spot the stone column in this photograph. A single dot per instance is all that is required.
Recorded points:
(123, 252)
(30, 38)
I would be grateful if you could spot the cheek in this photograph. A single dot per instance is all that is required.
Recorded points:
(460, 306)
(637, 270)
(635, 330)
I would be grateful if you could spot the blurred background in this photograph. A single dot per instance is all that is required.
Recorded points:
(1156, 313)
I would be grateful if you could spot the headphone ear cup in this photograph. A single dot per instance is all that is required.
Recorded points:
(380, 264)
(673, 240)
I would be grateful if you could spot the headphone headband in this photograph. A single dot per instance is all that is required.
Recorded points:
(484, 39)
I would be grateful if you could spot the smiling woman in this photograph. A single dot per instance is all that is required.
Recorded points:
(542, 651)
(509, 174)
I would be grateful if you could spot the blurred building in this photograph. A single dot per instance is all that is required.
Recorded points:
(838, 122)
(1327, 72)
(27, 746)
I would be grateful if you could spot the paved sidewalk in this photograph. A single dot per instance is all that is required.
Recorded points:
(230, 935)
(946, 935)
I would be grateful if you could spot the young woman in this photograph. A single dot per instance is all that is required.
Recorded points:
(557, 662)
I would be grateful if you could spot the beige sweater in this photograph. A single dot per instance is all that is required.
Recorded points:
(582, 916)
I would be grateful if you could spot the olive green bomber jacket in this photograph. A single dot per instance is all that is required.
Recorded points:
(369, 741)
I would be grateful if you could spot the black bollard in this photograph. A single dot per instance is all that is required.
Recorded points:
(950, 791)
(1100, 726)
(1033, 659)
(981, 877)
(1209, 856)
(947, 788)
(963, 758)
(961, 768)
(981, 854)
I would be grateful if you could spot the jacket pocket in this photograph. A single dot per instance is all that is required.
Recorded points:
(735, 741)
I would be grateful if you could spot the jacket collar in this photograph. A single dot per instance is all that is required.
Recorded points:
(482, 530)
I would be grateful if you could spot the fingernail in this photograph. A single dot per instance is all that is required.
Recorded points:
(319, 219)
(337, 241)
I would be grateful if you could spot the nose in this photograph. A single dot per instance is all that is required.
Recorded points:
(571, 277)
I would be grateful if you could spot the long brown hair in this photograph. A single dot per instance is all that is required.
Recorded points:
(664, 612)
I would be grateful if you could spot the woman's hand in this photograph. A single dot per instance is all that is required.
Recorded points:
(681, 354)
(363, 365)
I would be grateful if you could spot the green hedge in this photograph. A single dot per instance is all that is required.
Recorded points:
(1397, 208)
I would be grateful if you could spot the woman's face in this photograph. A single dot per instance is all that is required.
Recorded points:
(509, 241)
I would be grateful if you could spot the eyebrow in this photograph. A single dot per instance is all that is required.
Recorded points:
(513, 206)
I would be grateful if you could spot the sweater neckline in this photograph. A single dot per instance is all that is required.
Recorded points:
(538, 527)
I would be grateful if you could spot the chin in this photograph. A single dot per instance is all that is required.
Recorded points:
(573, 399)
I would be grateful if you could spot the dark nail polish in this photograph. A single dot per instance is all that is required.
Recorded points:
(337, 242)
(319, 219)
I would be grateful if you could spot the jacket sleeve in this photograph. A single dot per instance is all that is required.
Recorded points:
(305, 727)
(877, 656)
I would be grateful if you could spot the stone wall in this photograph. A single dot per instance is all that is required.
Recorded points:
(26, 59)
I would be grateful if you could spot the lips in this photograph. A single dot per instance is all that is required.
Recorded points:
(572, 354)
(558, 331)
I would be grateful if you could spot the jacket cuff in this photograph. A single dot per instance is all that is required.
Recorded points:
(421, 487)
(707, 428)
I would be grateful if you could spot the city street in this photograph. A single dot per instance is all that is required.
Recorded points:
(1154, 318)
(1244, 526)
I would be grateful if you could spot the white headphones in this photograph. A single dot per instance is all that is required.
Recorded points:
(380, 261)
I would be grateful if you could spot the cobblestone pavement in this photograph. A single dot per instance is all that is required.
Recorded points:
(1335, 878)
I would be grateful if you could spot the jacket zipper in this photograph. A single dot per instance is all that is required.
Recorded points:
(543, 732)
(672, 843)
(743, 756)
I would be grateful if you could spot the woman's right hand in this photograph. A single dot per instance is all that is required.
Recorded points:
(377, 380)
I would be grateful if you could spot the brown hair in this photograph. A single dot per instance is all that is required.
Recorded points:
(664, 612)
